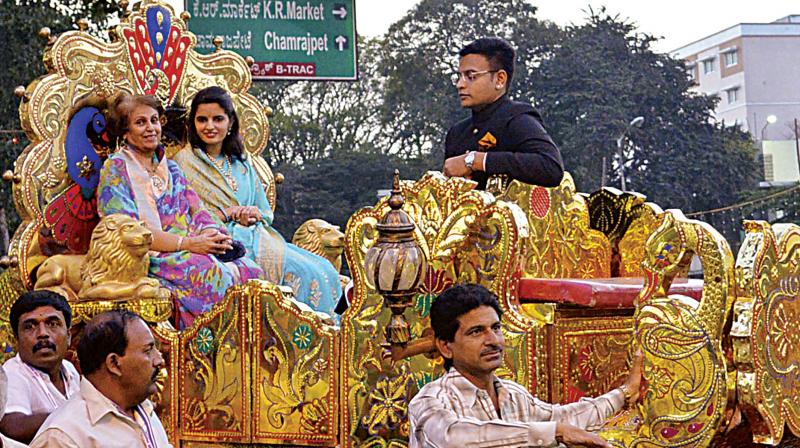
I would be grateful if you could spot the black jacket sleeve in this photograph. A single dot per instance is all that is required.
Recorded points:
(530, 156)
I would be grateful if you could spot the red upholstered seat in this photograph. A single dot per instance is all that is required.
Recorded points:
(604, 293)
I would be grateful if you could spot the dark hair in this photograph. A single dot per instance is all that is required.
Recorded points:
(123, 105)
(105, 334)
(454, 303)
(232, 146)
(498, 51)
(37, 299)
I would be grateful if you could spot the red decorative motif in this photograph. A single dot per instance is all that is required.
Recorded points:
(144, 58)
(540, 202)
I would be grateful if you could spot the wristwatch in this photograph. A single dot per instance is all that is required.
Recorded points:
(469, 159)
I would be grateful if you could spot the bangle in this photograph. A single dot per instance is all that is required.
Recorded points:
(626, 393)
(225, 217)
(180, 243)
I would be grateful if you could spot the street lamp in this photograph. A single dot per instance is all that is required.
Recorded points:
(396, 265)
(635, 123)
(771, 119)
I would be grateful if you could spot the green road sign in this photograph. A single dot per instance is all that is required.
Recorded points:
(308, 39)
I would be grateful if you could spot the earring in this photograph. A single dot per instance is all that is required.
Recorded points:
(229, 131)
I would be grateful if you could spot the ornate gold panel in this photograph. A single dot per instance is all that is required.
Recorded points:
(80, 65)
(10, 288)
(166, 399)
(591, 356)
(467, 236)
(687, 395)
(560, 243)
(214, 376)
(633, 245)
(765, 329)
(295, 370)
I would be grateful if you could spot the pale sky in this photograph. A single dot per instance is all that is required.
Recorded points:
(679, 22)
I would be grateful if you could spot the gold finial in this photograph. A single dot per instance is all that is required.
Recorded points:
(268, 111)
(396, 200)
(218, 43)
(279, 178)
(249, 61)
(9, 176)
(9, 262)
(185, 16)
(83, 24)
(123, 5)
(44, 33)
(19, 91)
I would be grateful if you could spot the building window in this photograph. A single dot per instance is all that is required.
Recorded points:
(731, 58)
(708, 66)
(690, 73)
(733, 95)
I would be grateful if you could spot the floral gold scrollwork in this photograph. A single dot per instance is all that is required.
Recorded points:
(214, 378)
(588, 362)
(560, 243)
(467, 236)
(765, 332)
(687, 398)
(295, 370)
(633, 245)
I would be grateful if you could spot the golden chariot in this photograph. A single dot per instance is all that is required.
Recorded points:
(584, 281)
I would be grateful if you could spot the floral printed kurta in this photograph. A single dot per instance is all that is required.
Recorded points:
(197, 281)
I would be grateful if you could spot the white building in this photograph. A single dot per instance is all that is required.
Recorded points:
(754, 68)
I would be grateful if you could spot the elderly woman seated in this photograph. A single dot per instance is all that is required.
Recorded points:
(219, 170)
(140, 181)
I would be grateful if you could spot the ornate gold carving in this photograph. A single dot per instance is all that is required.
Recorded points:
(214, 377)
(10, 289)
(115, 268)
(295, 371)
(589, 358)
(561, 243)
(633, 245)
(467, 236)
(322, 238)
(766, 340)
(688, 395)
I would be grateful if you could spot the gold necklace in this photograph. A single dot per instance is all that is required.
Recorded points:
(158, 184)
(228, 174)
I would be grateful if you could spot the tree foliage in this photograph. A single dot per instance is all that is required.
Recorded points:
(601, 76)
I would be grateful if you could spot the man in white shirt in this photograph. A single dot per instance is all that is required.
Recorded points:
(39, 378)
(470, 407)
(120, 363)
(5, 442)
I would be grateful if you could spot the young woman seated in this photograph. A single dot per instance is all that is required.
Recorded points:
(219, 169)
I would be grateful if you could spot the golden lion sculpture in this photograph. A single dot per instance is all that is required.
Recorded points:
(114, 269)
(322, 238)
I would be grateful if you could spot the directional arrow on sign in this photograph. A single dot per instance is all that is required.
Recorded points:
(339, 11)
(341, 42)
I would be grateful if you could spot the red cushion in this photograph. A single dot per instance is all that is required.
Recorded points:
(597, 293)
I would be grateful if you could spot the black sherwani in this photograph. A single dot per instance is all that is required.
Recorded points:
(516, 143)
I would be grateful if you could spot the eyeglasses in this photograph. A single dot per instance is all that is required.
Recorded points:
(469, 76)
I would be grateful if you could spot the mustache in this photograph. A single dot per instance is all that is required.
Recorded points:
(42, 345)
(492, 349)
